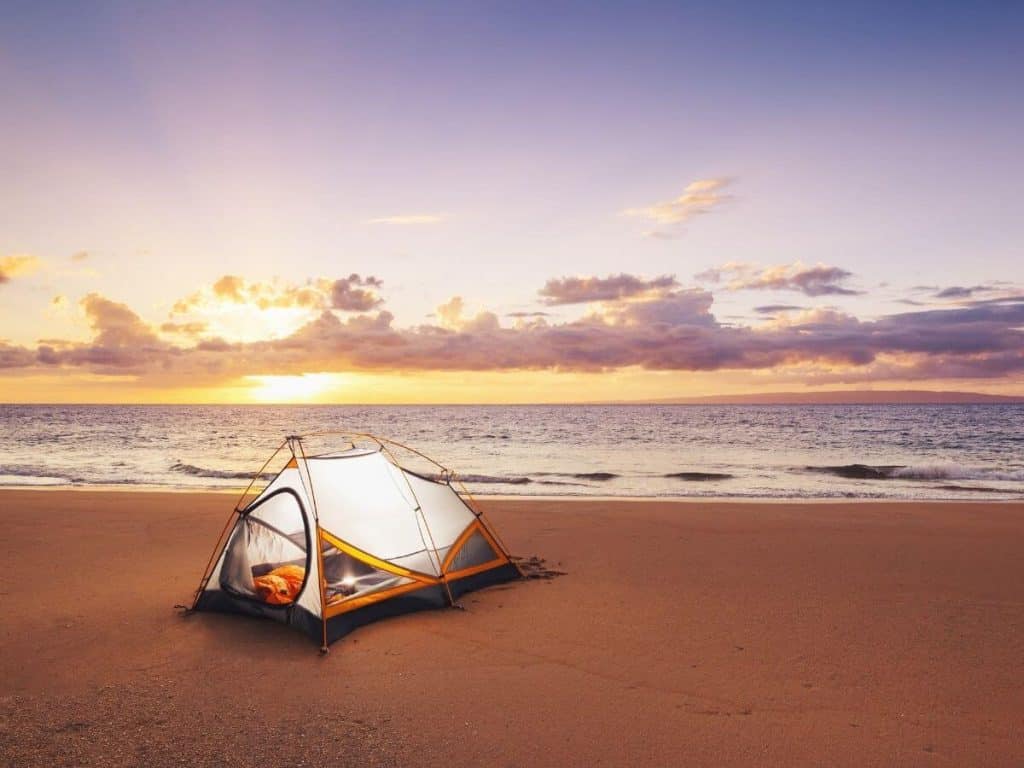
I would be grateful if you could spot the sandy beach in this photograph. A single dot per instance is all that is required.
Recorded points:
(719, 634)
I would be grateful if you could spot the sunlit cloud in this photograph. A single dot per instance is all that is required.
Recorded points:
(698, 197)
(631, 322)
(817, 280)
(351, 294)
(239, 309)
(451, 318)
(17, 265)
(184, 329)
(583, 290)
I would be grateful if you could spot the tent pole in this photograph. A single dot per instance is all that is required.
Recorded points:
(419, 510)
(217, 548)
(213, 557)
(319, 548)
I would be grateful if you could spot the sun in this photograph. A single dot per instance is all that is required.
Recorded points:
(290, 389)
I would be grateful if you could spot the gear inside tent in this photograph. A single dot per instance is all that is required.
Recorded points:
(341, 538)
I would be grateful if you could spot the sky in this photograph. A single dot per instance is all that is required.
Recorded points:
(508, 202)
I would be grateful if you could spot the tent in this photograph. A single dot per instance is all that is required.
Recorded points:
(339, 539)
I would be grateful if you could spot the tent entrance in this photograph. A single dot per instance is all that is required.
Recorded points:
(267, 557)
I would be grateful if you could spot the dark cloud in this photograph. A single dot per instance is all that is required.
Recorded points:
(582, 290)
(818, 280)
(1009, 298)
(15, 357)
(355, 294)
(771, 309)
(960, 292)
(521, 315)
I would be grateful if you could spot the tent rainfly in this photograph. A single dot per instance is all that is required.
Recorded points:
(337, 540)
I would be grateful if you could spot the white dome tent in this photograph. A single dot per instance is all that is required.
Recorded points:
(338, 539)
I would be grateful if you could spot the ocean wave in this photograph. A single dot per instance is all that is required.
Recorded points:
(973, 488)
(494, 479)
(33, 474)
(217, 474)
(922, 472)
(699, 476)
(858, 471)
(9, 479)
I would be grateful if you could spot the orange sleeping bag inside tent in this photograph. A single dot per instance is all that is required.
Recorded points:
(281, 586)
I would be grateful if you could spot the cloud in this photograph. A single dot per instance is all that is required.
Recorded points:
(583, 290)
(451, 318)
(409, 218)
(230, 287)
(699, 197)
(526, 315)
(116, 325)
(771, 309)
(450, 313)
(79, 256)
(184, 329)
(1010, 297)
(817, 280)
(351, 294)
(961, 292)
(355, 294)
(670, 329)
(17, 266)
(121, 341)
(15, 357)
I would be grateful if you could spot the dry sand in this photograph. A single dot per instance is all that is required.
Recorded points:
(691, 634)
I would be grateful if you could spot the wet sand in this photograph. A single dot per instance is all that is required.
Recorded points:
(718, 634)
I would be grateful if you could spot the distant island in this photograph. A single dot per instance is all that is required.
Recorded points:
(836, 397)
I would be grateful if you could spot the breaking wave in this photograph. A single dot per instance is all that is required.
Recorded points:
(923, 472)
(25, 474)
(217, 474)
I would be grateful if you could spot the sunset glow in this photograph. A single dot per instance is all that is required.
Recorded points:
(338, 207)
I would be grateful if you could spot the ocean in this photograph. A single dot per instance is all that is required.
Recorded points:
(728, 451)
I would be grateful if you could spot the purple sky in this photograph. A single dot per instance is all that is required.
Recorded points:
(831, 169)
